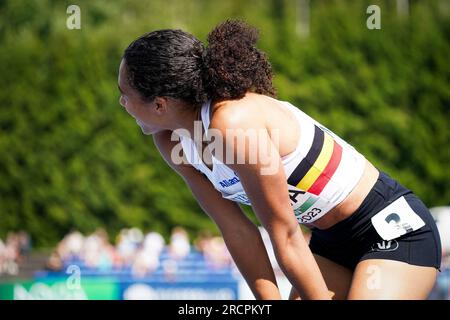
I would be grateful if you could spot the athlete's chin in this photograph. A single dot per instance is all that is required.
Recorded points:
(148, 131)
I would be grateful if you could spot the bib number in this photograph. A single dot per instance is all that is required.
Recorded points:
(307, 207)
(396, 220)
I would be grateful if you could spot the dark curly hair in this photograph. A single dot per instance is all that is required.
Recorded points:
(234, 65)
(176, 64)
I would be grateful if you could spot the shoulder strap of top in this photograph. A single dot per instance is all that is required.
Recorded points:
(204, 113)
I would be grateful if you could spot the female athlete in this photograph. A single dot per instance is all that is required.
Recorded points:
(372, 238)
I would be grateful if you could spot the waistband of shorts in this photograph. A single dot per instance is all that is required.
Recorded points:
(384, 191)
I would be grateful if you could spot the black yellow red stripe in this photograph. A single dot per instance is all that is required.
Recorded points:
(316, 169)
(329, 170)
(306, 163)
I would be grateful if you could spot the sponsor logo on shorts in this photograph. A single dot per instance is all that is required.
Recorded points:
(385, 245)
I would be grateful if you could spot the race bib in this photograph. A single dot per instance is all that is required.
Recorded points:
(396, 220)
(306, 206)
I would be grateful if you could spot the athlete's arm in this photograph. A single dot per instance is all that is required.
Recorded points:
(241, 236)
(265, 184)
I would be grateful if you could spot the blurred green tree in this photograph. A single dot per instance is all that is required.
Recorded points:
(70, 158)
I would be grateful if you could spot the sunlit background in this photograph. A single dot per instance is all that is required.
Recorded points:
(89, 210)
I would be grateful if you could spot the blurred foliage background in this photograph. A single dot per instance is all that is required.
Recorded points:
(71, 158)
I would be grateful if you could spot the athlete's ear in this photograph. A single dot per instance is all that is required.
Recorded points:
(161, 104)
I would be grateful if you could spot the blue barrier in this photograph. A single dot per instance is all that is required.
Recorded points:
(192, 278)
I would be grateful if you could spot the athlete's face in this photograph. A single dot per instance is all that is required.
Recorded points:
(146, 114)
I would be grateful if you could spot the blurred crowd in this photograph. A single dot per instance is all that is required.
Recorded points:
(141, 252)
(13, 252)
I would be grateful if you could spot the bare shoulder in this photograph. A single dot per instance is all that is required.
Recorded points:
(244, 113)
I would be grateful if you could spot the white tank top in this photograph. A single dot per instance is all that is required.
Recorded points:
(320, 172)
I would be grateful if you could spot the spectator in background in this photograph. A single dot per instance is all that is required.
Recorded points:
(126, 246)
(102, 252)
(145, 262)
(214, 250)
(2, 255)
(179, 246)
(13, 252)
(216, 253)
(54, 262)
(442, 285)
(24, 244)
(154, 241)
(147, 257)
(442, 217)
(70, 247)
(94, 250)
(202, 240)
(91, 250)
(138, 251)
(443, 224)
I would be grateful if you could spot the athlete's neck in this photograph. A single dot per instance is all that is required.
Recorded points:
(184, 123)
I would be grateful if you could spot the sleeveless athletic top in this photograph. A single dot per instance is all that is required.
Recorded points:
(321, 171)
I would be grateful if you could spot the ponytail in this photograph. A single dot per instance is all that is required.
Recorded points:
(233, 65)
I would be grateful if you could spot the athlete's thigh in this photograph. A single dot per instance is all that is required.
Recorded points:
(338, 278)
(391, 279)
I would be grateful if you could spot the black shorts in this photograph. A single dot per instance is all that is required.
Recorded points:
(355, 239)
